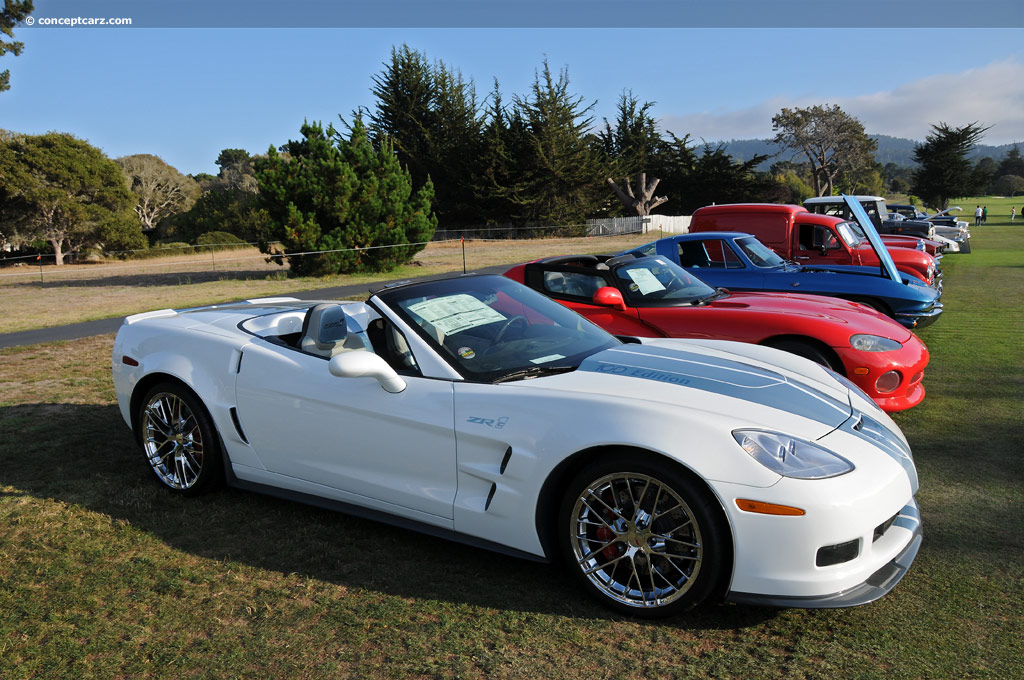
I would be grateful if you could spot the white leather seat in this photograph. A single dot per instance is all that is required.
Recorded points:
(325, 331)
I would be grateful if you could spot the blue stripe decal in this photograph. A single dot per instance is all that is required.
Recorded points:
(728, 377)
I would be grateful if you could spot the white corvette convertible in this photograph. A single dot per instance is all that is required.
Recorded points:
(660, 471)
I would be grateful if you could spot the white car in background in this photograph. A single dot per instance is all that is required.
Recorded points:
(661, 472)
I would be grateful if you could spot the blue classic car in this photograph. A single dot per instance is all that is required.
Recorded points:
(739, 261)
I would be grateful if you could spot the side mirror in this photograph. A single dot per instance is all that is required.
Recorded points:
(607, 296)
(364, 364)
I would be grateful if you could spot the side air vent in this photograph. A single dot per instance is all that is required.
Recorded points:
(504, 461)
(238, 425)
(490, 496)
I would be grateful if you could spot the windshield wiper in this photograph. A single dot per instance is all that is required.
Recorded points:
(533, 372)
(719, 292)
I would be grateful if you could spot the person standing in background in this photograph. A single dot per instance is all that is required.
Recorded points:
(1013, 212)
(984, 214)
(977, 215)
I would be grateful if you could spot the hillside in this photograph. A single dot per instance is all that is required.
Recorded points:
(890, 150)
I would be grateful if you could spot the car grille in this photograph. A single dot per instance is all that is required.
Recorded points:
(883, 527)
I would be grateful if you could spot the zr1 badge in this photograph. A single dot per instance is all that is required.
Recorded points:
(496, 423)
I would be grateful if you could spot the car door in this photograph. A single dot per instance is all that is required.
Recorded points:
(394, 451)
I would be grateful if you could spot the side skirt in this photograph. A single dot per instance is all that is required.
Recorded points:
(375, 515)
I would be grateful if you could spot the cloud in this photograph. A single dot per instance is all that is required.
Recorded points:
(991, 95)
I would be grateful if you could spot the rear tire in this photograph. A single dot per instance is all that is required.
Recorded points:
(642, 536)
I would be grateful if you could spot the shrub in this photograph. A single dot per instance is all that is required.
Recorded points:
(218, 240)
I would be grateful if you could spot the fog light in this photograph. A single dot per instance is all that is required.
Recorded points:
(837, 554)
(888, 382)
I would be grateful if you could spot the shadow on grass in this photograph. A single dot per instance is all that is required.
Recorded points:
(84, 455)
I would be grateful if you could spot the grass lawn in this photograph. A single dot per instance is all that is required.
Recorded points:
(998, 210)
(105, 575)
(74, 293)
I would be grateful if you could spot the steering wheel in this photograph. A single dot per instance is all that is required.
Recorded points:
(518, 319)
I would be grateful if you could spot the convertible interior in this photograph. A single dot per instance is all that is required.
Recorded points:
(330, 328)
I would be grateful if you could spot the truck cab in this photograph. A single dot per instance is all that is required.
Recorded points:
(876, 209)
(808, 238)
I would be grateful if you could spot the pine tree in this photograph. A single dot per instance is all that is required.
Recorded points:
(329, 193)
(562, 181)
(945, 170)
(430, 116)
(494, 188)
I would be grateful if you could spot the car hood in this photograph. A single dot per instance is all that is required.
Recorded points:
(910, 257)
(763, 385)
(817, 309)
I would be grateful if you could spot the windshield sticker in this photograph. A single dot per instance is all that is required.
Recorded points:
(548, 358)
(647, 281)
(455, 313)
(466, 352)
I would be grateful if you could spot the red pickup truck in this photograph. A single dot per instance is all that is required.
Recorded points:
(796, 234)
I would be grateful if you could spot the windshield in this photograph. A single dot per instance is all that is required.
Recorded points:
(490, 327)
(657, 280)
(758, 253)
(851, 233)
(883, 214)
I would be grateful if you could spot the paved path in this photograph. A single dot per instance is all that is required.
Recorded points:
(87, 329)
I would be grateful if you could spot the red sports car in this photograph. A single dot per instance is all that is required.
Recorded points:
(653, 297)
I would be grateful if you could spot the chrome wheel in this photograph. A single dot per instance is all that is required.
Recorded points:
(639, 544)
(173, 439)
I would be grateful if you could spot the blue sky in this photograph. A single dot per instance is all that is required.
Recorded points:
(184, 94)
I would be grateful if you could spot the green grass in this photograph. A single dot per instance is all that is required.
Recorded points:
(105, 575)
(998, 209)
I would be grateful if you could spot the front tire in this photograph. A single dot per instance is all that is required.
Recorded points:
(643, 537)
(807, 351)
(179, 441)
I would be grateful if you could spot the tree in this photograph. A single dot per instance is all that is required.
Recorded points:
(234, 211)
(717, 178)
(985, 171)
(562, 178)
(160, 190)
(228, 203)
(237, 171)
(66, 191)
(1012, 163)
(634, 141)
(630, 147)
(430, 116)
(13, 12)
(945, 170)
(328, 193)
(833, 142)
(1009, 185)
(502, 146)
(798, 189)
(644, 203)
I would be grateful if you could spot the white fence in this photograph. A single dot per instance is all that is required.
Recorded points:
(668, 224)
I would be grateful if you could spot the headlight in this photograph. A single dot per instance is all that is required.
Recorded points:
(791, 457)
(874, 343)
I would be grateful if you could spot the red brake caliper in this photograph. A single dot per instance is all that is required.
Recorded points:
(606, 534)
